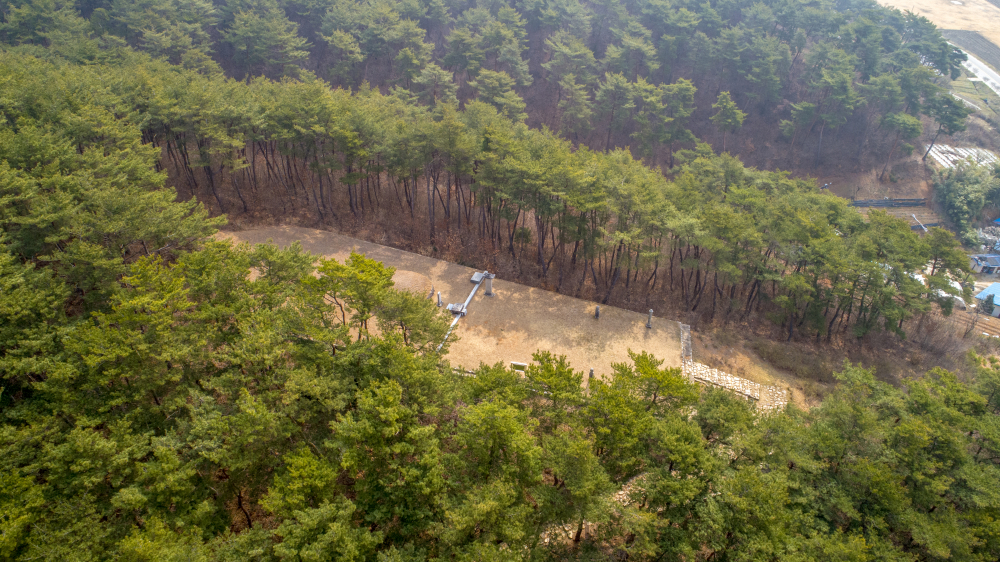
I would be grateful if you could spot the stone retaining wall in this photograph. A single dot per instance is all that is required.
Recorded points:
(767, 397)
(685, 343)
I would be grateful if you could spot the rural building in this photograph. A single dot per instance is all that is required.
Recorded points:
(985, 263)
(990, 293)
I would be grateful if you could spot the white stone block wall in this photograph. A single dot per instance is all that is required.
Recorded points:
(767, 397)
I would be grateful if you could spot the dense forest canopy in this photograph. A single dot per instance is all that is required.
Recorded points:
(434, 138)
(165, 396)
(603, 73)
(169, 397)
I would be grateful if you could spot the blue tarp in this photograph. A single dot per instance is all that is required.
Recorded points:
(996, 221)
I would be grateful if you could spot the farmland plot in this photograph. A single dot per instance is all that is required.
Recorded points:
(975, 44)
(949, 156)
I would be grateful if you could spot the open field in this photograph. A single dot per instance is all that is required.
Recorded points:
(986, 100)
(979, 70)
(510, 326)
(976, 45)
(965, 15)
(961, 320)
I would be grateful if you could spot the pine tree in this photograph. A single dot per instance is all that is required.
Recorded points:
(728, 118)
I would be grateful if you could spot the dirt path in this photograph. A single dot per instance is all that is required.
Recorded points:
(511, 325)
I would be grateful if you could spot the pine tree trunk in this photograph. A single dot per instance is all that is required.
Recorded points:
(430, 204)
(934, 140)
(881, 176)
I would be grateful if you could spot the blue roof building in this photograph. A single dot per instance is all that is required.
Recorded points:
(985, 263)
(991, 292)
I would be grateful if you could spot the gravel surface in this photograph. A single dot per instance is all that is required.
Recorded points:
(509, 326)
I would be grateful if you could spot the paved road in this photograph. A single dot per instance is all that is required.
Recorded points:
(983, 73)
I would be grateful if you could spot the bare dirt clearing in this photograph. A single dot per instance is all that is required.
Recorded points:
(521, 320)
(510, 326)
(906, 178)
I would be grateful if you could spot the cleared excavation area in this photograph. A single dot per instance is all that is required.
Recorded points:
(509, 326)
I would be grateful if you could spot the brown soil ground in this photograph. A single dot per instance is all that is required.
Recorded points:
(905, 179)
(808, 369)
(520, 320)
(734, 355)
(509, 326)
(970, 15)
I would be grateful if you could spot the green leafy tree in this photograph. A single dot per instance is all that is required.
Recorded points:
(575, 107)
(728, 118)
(907, 127)
(325, 533)
(434, 85)
(881, 95)
(555, 388)
(346, 53)
(569, 55)
(633, 54)
(679, 106)
(497, 89)
(361, 283)
(403, 481)
(464, 52)
(950, 115)
(165, 29)
(802, 114)
(614, 99)
(963, 192)
(266, 44)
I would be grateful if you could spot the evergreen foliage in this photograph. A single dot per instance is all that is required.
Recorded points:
(826, 55)
(963, 191)
(167, 396)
